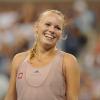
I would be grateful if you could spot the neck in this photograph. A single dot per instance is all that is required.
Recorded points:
(40, 50)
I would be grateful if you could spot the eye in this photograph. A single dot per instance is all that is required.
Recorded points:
(57, 27)
(47, 24)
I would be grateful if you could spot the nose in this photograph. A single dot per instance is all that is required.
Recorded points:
(52, 29)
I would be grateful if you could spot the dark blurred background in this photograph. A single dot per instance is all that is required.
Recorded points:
(81, 37)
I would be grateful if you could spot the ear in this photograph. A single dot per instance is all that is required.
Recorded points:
(64, 34)
(35, 30)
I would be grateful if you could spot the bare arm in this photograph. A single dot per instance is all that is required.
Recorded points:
(72, 75)
(11, 94)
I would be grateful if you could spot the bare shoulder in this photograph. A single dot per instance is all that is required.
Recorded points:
(69, 57)
(18, 58)
(70, 61)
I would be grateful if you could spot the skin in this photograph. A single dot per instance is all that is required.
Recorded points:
(49, 30)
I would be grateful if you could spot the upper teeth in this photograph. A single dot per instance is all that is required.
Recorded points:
(50, 36)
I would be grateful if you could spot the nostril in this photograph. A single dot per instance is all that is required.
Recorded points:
(52, 32)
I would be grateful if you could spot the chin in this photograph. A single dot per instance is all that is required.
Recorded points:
(49, 43)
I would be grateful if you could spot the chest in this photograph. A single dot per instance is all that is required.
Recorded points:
(41, 62)
(30, 73)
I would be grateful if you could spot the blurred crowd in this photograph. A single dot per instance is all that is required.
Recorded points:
(80, 38)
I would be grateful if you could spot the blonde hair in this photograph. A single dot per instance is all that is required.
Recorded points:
(33, 50)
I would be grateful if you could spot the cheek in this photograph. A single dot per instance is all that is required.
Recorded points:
(59, 35)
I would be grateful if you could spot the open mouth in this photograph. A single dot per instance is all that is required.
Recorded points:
(49, 36)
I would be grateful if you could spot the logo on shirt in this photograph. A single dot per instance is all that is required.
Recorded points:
(36, 71)
(20, 75)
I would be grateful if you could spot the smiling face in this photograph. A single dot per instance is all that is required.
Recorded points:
(49, 29)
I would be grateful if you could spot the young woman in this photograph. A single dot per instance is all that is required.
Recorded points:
(45, 72)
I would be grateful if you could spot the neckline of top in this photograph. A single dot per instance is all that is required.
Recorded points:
(44, 66)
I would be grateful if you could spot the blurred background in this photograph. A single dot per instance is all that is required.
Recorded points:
(82, 30)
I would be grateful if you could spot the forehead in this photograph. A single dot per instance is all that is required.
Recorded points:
(52, 17)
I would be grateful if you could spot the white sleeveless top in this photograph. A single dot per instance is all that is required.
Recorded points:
(46, 83)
